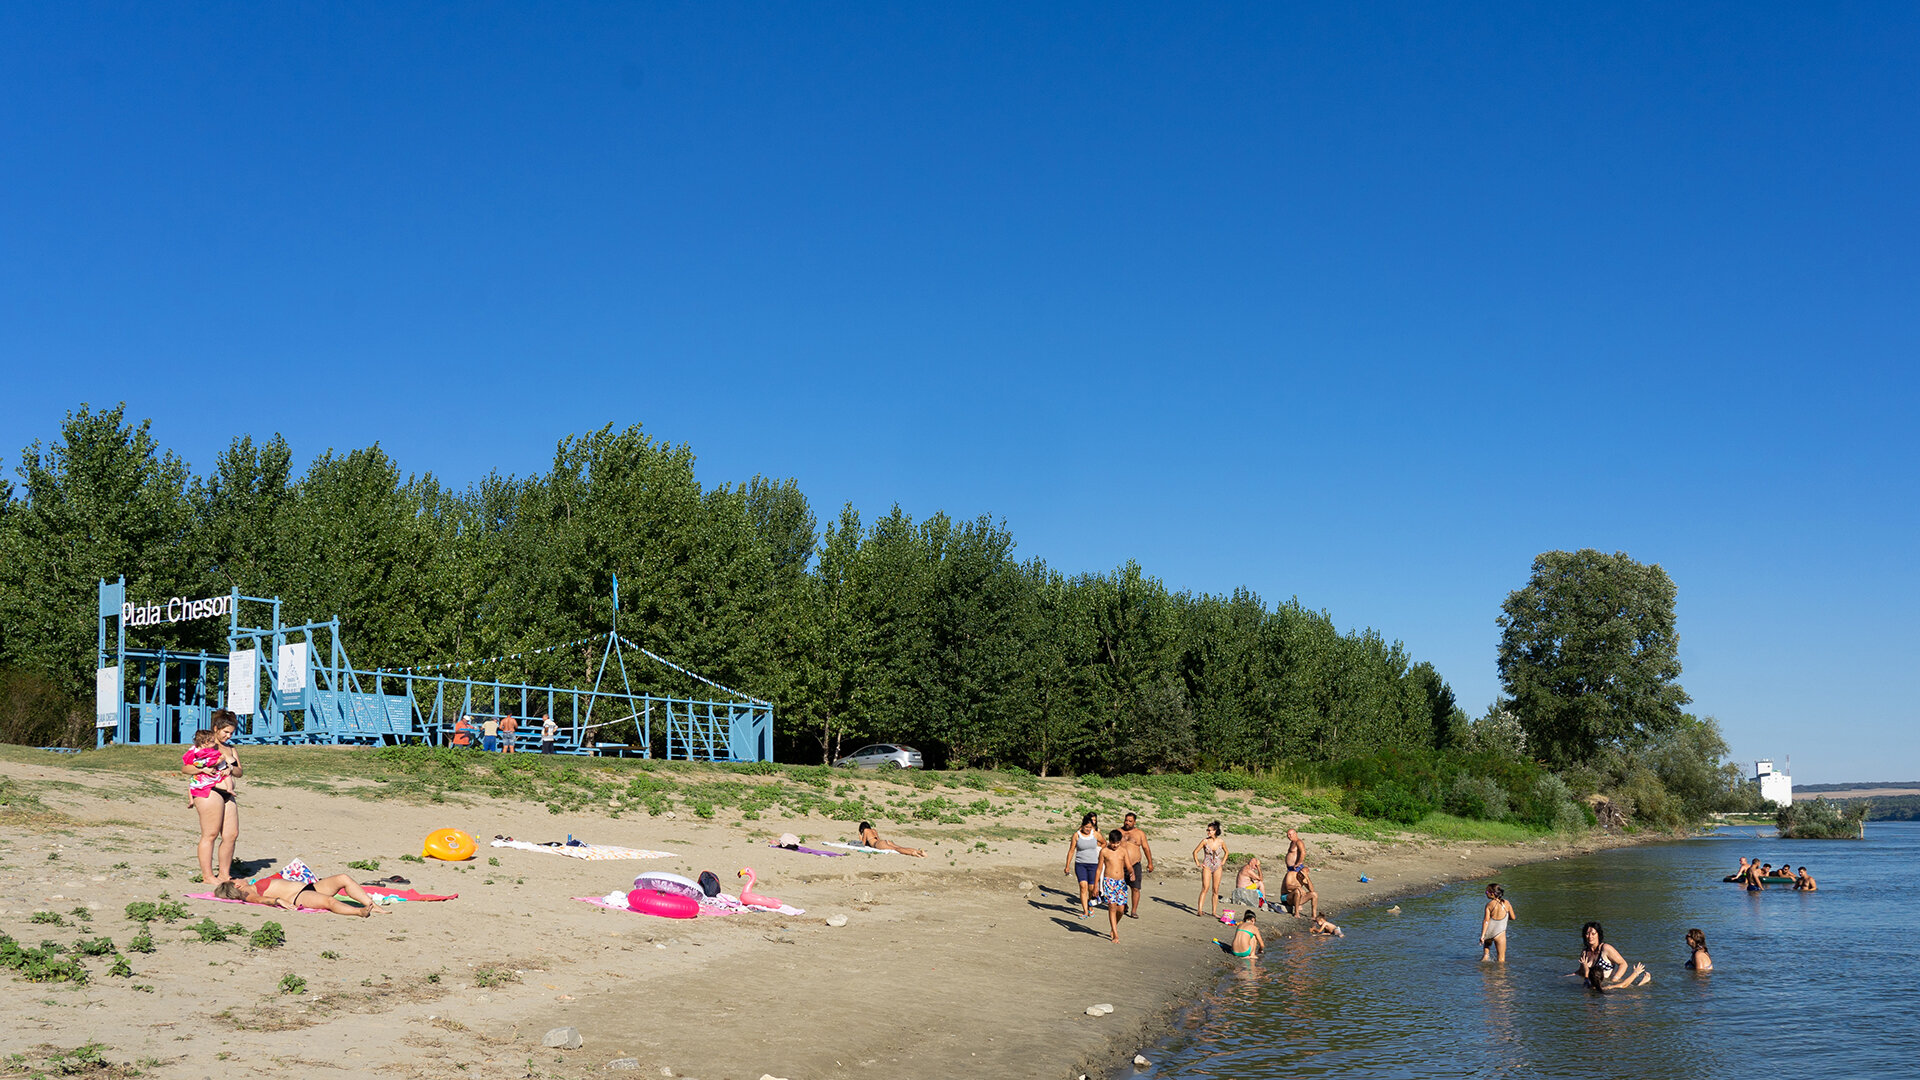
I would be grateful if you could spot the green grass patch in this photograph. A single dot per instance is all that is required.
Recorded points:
(1443, 826)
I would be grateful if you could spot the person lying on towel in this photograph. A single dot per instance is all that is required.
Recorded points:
(322, 894)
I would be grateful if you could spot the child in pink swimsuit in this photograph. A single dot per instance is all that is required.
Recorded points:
(206, 756)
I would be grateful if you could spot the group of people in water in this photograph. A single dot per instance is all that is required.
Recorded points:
(1601, 964)
(1755, 875)
(1111, 868)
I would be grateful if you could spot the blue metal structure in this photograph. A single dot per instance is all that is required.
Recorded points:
(314, 694)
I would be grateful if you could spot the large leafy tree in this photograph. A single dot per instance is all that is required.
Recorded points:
(1588, 654)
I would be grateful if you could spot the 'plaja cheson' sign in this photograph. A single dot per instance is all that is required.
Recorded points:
(176, 609)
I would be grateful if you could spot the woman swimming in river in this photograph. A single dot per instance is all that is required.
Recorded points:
(1602, 965)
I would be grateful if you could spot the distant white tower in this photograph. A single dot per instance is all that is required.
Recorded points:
(1776, 787)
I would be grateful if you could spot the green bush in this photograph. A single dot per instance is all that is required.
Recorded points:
(269, 936)
(1390, 801)
(1479, 797)
(1821, 820)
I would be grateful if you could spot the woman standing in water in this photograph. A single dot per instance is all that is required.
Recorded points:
(1493, 925)
(1602, 965)
(1210, 854)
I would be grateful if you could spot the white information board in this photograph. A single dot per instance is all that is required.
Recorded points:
(106, 697)
(293, 668)
(243, 681)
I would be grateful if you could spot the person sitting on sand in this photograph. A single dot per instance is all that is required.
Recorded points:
(1493, 925)
(1322, 926)
(1697, 947)
(1804, 882)
(323, 894)
(871, 837)
(1602, 965)
(1247, 942)
(1111, 879)
(1298, 889)
(1250, 886)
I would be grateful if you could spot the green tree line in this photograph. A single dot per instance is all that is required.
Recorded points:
(933, 632)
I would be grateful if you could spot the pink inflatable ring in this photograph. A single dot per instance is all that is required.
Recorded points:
(665, 905)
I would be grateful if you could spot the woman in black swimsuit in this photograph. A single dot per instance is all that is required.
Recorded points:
(1602, 965)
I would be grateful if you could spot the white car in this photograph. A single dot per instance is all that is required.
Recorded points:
(882, 756)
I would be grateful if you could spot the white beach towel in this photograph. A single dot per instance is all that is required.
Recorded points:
(585, 851)
(861, 847)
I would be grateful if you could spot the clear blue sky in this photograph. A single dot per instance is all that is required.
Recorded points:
(1367, 308)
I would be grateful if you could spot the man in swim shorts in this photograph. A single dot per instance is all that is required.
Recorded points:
(1297, 887)
(1133, 834)
(1296, 851)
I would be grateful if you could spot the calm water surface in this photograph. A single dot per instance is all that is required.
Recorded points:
(1825, 978)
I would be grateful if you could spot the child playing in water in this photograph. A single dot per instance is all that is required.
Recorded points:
(207, 757)
(1322, 926)
(1247, 942)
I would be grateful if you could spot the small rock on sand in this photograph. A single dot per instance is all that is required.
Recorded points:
(837, 920)
(624, 1063)
(563, 1038)
(1140, 1061)
(1026, 886)
(1099, 1010)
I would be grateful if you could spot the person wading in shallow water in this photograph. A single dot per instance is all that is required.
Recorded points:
(1493, 925)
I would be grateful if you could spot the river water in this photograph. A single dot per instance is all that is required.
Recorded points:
(1814, 984)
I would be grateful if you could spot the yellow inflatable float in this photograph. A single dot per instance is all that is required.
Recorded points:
(451, 845)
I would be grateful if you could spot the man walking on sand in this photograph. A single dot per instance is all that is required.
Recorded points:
(1133, 834)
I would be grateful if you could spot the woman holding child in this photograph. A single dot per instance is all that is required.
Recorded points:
(213, 764)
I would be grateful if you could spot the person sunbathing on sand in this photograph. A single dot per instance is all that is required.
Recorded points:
(871, 837)
(323, 894)
(1602, 965)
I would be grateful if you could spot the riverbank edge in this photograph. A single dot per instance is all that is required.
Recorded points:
(1188, 987)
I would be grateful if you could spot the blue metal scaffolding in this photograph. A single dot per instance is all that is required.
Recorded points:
(299, 686)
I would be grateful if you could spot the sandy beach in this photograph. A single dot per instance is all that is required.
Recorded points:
(972, 961)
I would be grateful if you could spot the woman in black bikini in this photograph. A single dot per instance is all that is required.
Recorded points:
(323, 894)
(1602, 965)
(219, 812)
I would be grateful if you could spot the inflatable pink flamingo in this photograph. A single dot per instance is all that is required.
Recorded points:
(747, 896)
